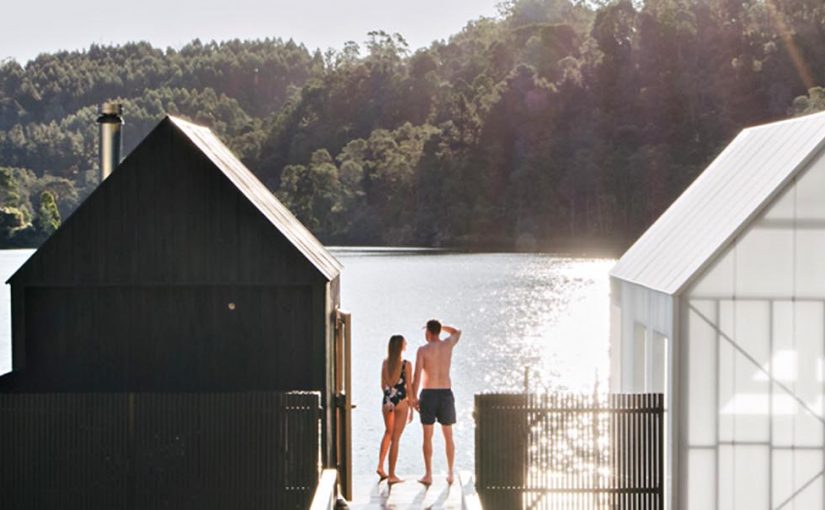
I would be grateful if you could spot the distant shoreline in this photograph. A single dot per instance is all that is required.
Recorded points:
(566, 249)
(586, 249)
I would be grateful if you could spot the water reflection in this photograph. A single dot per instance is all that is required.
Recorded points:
(540, 311)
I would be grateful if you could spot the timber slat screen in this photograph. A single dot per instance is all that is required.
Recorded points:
(568, 451)
(158, 450)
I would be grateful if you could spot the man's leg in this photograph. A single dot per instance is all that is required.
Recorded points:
(450, 447)
(427, 479)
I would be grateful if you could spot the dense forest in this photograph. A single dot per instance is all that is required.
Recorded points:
(558, 124)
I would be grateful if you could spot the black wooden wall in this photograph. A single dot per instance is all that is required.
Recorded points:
(168, 278)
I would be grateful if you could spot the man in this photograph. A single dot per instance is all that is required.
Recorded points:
(436, 402)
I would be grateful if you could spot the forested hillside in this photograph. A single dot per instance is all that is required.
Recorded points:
(558, 124)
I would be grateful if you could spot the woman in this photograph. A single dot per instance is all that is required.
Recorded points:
(396, 383)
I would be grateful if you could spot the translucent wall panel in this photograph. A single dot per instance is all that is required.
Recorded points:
(643, 321)
(718, 281)
(764, 263)
(767, 390)
(808, 386)
(701, 488)
(744, 397)
(701, 374)
(796, 369)
(726, 392)
(639, 348)
(640, 313)
(797, 480)
(752, 399)
(744, 477)
(659, 361)
(783, 369)
(810, 263)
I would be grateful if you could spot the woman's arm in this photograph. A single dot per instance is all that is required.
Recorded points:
(383, 375)
(408, 377)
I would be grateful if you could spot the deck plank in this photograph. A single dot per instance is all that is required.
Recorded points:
(410, 495)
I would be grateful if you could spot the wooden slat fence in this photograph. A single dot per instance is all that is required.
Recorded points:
(568, 451)
(158, 450)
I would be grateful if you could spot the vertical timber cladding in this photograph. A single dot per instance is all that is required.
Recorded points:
(558, 450)
(199, 451)
(170, 338)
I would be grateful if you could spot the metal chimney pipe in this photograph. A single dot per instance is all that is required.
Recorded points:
(110, 121)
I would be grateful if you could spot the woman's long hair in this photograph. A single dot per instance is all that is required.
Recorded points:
(394, 358)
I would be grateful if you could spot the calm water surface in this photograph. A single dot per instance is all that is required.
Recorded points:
(516, 310)
(545, 312)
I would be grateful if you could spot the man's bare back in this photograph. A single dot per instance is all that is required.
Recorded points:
(436, 401)
(435, 360)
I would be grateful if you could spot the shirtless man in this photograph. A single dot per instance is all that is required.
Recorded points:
(436, 402)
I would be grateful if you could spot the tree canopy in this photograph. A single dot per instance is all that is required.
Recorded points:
(558, 122)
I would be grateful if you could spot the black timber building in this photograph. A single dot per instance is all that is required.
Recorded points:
(181, 272)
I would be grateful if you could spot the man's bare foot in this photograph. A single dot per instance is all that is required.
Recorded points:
(426, 480)
(381, 475)
(450, 479)
(394, 480)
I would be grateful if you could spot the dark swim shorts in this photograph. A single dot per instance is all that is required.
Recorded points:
(437, 405)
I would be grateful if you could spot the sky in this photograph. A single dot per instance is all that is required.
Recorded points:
(29, 27)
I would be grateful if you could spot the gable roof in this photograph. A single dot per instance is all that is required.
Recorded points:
(242, 179)
(732, 191)
(260, 196)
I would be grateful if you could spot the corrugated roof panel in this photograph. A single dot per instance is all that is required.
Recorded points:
(721, 202)
(261, 197)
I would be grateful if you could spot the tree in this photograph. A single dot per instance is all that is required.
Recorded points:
(312, 193)
(48, 217)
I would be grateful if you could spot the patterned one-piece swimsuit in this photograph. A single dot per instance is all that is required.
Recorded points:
(395, 394)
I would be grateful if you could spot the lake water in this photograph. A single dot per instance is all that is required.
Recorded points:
(545, 312)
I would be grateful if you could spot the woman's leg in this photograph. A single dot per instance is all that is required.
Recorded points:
(400, 420)
(389, 418)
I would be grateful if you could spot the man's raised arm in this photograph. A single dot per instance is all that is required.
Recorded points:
(454, 333)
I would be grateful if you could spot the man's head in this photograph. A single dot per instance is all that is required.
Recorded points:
(433, 330)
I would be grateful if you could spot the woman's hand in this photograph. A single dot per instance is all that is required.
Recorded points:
(410, 413)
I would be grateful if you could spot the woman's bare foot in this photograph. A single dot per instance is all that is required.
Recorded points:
(426, 480)
(394, 480)
(381, 475)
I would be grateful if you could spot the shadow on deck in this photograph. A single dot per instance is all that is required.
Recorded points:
(371, 495)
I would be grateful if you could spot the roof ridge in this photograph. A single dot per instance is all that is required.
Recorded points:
(746, 176)
(260, 196)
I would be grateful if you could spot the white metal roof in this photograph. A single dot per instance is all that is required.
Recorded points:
(721, 202)
(261, 197)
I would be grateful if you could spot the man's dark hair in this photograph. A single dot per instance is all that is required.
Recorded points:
(434, 327)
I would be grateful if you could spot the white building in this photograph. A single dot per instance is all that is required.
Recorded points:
(721, 306)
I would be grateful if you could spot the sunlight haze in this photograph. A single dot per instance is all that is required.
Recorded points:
(29, 28)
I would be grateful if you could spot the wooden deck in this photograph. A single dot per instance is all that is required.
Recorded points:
(410, 495)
